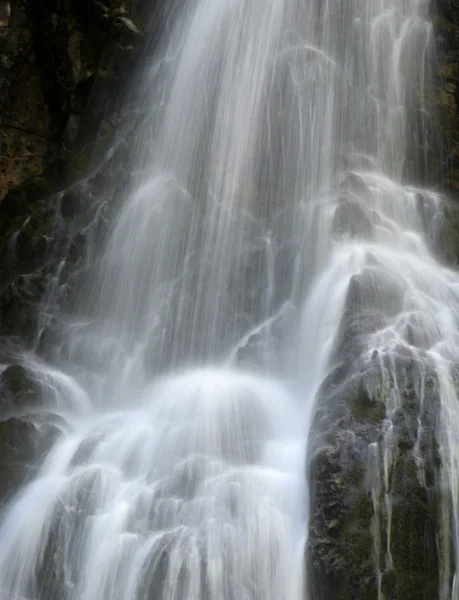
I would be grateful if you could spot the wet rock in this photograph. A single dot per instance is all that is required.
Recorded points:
(445, 161)
(413, 535)
(129, 25)
(55, 56)
(23, 443)
(45, 232)
(5, 13)
(355, 327)
(427, 208)
(17, 390)
(375, 415)
(339, 551)
(374, 288)
(351, 219)
(78, 504)
(448, 243)
(156, 568)
(24, 436)
(344, 545)
(354, 184)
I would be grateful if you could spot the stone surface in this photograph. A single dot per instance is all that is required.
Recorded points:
(62, 124)
(53, 55)
(373, 476)
(60, 63)
(446, 101)
(25, 436)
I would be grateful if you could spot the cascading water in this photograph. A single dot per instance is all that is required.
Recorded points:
(269, 177)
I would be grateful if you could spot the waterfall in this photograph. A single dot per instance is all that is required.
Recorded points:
(273, 231)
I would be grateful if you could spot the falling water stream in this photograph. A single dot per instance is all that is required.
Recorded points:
(270, 172)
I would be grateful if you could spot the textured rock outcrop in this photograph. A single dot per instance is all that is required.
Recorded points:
(62, 114)
(54, 54)
(374, 460)
(447, 96)
(25, 435)
(61, 106)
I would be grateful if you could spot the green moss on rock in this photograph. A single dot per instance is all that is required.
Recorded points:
(413, 535)
(340, 548)
(367, 409)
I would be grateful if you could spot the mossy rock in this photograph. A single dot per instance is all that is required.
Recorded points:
(340, 550)
(414, 521)
(351, 418)
(441, 24)
(368, 409)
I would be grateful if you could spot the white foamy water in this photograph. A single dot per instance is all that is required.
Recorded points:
(270, 170)
(174, 498)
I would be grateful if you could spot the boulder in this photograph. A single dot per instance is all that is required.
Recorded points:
(374, 466)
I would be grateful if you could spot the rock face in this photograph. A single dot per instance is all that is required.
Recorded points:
(374, 461)
(53, 52)
(447, 96)
(24, 436)
(61, 62)
(61, 65)
(26, 136)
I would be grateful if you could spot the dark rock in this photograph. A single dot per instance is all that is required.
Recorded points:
(354, 184)
(23, 443)
(413, 535)
(356, 326)
(78, 503)
(339, 552)
(343, 546)
(350, 218)
(374, 288)
(374, 463)
(55, 55)
(16, 388)
(448, 242)
(446, 102)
